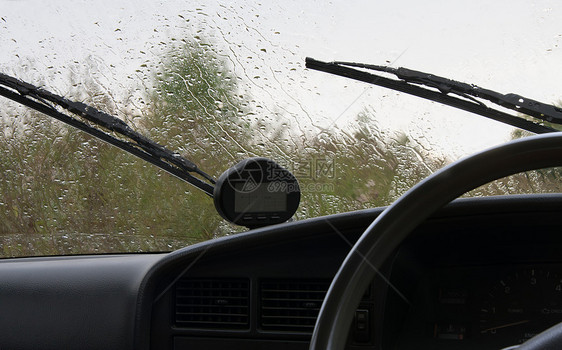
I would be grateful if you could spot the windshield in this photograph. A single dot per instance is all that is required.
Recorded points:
(221, 82)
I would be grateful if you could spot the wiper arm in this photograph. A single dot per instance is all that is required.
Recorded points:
(515, 102)
(410, 81)
(132, 142)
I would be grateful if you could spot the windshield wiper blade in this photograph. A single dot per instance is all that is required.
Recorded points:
(416, 83)
(130, 141)
(546, 112)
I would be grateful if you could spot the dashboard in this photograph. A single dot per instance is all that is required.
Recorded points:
(487, 282)
(483, 273)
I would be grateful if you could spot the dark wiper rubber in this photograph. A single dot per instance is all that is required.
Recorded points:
(410, 81)
(44, 101)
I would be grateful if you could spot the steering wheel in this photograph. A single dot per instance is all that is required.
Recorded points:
(397, 222)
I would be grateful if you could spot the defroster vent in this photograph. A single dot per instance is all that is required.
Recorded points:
(212, 303)
(291, 305)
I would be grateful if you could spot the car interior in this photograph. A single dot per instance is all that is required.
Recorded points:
(436, 266)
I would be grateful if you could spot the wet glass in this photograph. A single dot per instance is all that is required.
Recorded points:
(219, 82)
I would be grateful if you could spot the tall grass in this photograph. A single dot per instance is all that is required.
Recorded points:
(64, 192)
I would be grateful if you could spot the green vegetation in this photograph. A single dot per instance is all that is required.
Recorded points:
(542, 181)
(63, 192)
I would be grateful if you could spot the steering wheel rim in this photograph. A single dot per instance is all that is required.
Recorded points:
(398, 221)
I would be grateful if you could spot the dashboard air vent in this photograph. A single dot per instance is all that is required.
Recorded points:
(212, 303)
(291, 305)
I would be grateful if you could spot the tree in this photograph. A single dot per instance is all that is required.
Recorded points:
(65, 192)
(196, 109)
(368, 168)
(59, 180)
